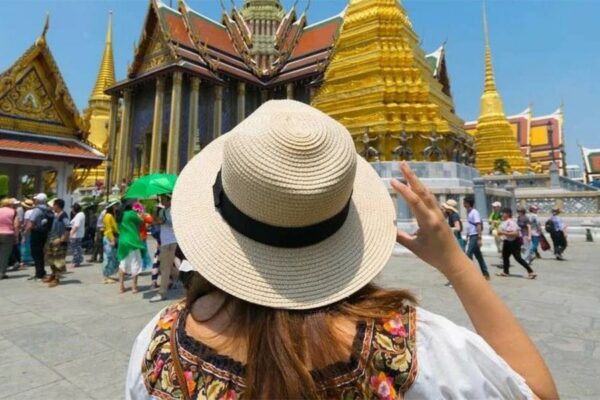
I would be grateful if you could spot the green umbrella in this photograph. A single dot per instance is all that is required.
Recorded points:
(151, 185)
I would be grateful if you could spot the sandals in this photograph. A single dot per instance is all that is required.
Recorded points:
(532, 275)
(502, 274)
(135, 290)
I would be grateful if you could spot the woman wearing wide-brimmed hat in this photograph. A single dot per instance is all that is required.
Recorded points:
(287, 227)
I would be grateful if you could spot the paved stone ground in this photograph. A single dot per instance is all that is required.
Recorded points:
(73, 341)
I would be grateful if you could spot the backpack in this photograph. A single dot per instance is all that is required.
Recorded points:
(43, 221)
(549, 227)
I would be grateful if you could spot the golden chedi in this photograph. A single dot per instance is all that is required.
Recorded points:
(494, 138)
(380, 85)
(97, 115)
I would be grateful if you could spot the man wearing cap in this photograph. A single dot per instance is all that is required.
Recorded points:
(558, 233)
(37, 224)
(474, 233)
(495, 219)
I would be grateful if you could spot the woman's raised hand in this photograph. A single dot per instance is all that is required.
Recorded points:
(433, 242)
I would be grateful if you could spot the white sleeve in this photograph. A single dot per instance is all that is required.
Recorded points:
(134, 387)
(455, 363)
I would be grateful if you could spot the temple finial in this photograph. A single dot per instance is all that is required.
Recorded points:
(490, 83)
(41, 41)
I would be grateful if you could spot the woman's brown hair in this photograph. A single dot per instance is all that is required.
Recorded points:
(283, 346)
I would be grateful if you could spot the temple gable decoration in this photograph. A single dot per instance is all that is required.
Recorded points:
(34, 97)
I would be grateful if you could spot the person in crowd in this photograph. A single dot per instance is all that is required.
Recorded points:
(147, 221)
(525, 231)
(130, 247)
(38, 224)
(558, 233)
(97, 251)
(450, 208)
(25, 245)
(15, 256)
(474, 235)
(495, 218)
(536, 232)
(155, 232)
(91, 220)
(510, 232)
(168, 244)
(58, 241)
(77, 234)
(9, 233)
(281, 305)
(111, 235)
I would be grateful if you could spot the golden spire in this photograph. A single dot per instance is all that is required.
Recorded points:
(106, 74)
(490, 84)
(490, 101)
(494, 139)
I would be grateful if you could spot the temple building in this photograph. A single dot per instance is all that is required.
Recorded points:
(395, 100)
(591, 164)
(193, 78)
(495, 141)
(538, 137)
(40, 128)
(96, 117)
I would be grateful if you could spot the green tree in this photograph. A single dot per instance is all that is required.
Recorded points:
(3, 186)
(501, 165)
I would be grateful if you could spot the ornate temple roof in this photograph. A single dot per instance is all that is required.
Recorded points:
(34, 96)
(260, 43)
(106, 74)
(38, 118)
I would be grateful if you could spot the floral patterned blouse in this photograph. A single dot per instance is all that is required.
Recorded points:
(382, 365)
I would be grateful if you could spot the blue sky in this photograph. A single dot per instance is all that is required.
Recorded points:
(544, 52)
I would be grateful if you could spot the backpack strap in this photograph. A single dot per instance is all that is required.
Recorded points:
(176, 362)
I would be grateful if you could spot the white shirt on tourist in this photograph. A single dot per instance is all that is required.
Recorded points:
(78, 225)
(167, 236)
(453, 363)
(473, 218)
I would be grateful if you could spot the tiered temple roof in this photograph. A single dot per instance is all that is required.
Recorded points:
(494, 138)
(259, 44)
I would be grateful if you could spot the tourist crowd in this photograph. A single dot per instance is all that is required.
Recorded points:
(519, 238)
(39, 232)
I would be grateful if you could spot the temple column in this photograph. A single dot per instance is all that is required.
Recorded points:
(157, 125)
(123, 155)
(289, 89)
(218, 112)
(264, 96)
(112, 137)
(174, 125)
(241, 102)
(193, 134)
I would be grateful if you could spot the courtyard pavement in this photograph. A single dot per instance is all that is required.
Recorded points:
(73, 341)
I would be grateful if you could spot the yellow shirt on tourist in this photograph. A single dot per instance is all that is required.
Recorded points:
(110, 226)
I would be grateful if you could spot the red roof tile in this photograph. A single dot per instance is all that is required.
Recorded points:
(216, 35)
(51, 148)
(317, 37)
(177, 30)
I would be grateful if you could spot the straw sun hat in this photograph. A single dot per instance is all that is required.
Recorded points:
(281, 211)
(450, 204)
